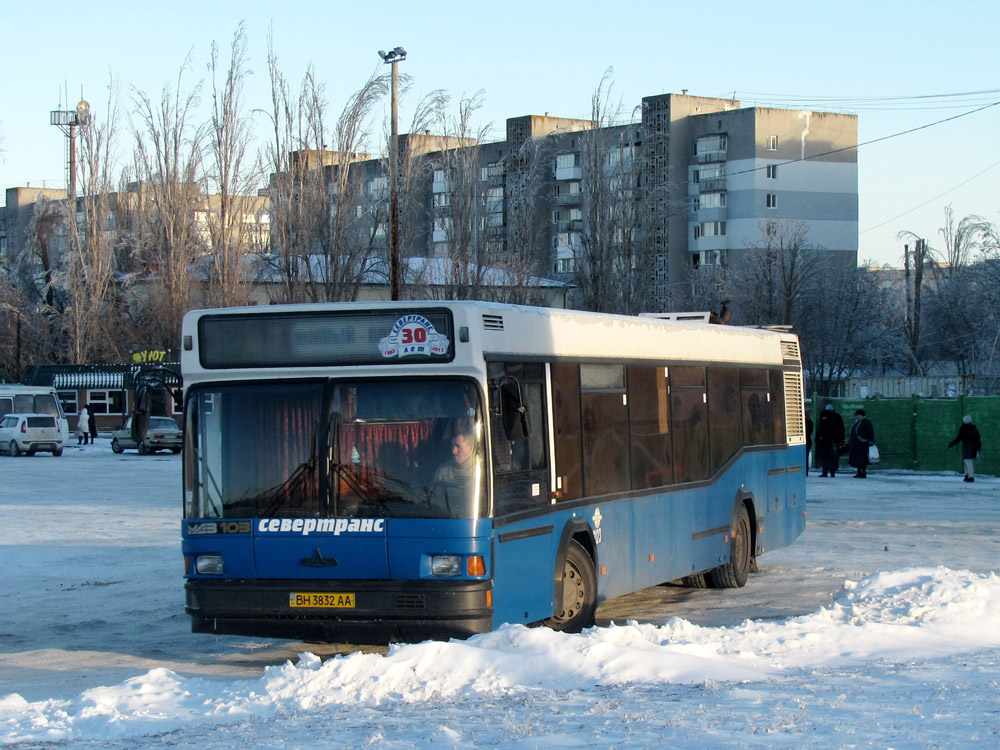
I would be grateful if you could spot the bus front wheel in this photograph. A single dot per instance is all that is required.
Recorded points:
(579, 600)
(734, 573)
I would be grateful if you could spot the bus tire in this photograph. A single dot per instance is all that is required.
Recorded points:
(733, 574)
(576, 611)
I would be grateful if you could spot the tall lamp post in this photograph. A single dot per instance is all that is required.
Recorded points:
(67, 121)
(392, 57)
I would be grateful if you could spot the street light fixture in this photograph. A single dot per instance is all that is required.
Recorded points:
(392, 57)
(67, 121)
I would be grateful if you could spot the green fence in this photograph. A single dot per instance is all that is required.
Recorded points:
(913, 433)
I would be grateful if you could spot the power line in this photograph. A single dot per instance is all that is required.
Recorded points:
(867, 143)
(931, 200)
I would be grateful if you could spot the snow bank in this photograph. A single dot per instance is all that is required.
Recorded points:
(912, 613)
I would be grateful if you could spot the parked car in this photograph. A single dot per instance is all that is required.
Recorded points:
(163, 434)
(28, 433)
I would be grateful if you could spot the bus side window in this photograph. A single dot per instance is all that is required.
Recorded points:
(778, 405)
(757, 426)
(567, 440)
(649, 427)
(520, 465)
(689, 419)
(724, 414)
(605, 429)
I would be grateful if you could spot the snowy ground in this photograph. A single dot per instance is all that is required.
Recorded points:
(879, 628)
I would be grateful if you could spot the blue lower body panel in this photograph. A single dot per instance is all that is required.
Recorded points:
(382, 612)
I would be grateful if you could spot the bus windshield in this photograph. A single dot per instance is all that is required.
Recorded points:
(408, 448)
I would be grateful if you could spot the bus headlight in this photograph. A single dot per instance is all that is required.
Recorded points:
(446, 565)
(208, 565)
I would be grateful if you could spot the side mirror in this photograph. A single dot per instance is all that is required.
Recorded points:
(513, 412)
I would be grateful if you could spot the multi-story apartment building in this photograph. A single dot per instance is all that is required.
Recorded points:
(697, 181)
(751, 168)
(694, 183)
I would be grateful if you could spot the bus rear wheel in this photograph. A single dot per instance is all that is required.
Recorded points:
(579, 602)
(734, 574)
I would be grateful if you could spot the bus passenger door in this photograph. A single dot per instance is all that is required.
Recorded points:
(523, 567)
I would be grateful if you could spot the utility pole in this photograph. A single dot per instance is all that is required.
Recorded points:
(392, 57)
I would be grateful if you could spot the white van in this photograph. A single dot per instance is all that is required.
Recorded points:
(33, 399)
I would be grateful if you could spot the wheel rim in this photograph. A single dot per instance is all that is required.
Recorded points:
(13, 448)
(741, 545)
(574, 593)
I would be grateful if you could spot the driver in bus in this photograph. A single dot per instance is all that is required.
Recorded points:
(458, 474)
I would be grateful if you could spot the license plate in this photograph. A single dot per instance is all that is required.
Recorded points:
(328, 601)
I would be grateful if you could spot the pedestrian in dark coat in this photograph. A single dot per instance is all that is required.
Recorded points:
(862, 435)
(92, 423)
(968, 436)
(829, 436)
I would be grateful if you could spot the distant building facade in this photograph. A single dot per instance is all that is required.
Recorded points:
(705, 178)
(695, 181)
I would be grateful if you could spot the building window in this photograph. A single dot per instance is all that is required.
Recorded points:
(565, 161)
(772, 200)
(68, 399)
(711, 229)
(106, 402)
(772, 171)
(566, 265)
(712, 200)
(442, 199)
(772, 143)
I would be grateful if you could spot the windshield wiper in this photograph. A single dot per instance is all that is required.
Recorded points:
(276, 496)
(346, 472)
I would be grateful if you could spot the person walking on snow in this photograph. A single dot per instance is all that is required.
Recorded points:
(829, 436)
(83, 427)
(968, 436)
(862, 435)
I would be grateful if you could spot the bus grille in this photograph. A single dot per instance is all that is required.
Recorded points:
(790, 350)
(493, 322)
(795, 420)
(410, 601)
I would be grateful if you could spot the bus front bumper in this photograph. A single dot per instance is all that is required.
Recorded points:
(382, 612)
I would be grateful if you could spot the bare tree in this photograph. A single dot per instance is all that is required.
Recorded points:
(91, 320)
(769, 280)
(613, 265)
(166, 202)
(922, 273)
(321, 237)
(234, 210)
(849, 333)
(964, 240)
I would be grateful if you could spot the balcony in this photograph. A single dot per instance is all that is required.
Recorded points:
(711, 157)
(572, 225)
(569, 173)
(718, 185)
(569, 199)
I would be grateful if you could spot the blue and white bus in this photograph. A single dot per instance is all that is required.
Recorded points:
(394, 471)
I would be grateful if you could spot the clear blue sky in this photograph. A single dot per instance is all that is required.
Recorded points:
(536, 57)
